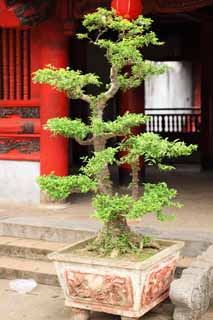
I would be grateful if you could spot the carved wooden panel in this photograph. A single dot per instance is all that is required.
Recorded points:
(23, 112)
(15, 64)
(19, 114)
(21, 148)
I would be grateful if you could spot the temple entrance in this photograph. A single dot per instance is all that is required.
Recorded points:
(186, 47)
(173, 102)
(178, 115)
(89, 59)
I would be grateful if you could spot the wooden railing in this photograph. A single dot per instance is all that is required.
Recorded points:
(174, 121)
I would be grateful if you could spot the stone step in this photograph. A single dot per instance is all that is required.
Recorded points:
(28, 248)
(19, 259)
(42, 272)
(195, 241)
(65, 231)
(47, 229)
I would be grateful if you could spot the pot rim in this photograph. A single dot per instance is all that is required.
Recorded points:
(65, 257)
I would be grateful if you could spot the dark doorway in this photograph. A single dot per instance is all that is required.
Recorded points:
(89, 59)
(173, 102)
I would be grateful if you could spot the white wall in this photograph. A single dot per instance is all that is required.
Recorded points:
(18, 181)
(173, 89)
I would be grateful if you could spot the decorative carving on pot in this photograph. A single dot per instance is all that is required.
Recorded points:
(99, 289)
(158, 281)
(128, 9)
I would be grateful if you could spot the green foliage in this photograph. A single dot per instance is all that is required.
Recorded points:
(121, 126)
(155, 198)
(77, 129)
(68, 128)
(138, 73)
(108, 208)
(154, 149)
(125, 50)
(100, 160)
(60, 188)
(165, 167)
(69, 81)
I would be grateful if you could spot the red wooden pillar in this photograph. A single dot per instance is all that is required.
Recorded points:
(133, 101)
(196, 84)
(54, 149)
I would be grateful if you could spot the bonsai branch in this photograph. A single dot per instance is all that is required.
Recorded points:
(111, 135)
(86, 98)
(86, 142)
(114, 85)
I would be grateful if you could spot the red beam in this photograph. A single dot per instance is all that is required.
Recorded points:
(16, 125)
(20, 103)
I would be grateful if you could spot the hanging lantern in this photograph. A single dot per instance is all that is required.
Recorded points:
(128, 9)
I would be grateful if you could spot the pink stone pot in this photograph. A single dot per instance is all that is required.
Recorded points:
(115, 286)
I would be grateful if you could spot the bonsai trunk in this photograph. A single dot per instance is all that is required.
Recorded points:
(117, 226)
(104, 181)
(135, 179)
(116, 238)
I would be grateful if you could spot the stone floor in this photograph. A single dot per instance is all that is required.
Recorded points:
(47, 303)
(195, 191)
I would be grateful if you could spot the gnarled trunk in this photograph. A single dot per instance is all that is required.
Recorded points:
(104, 181)
(135, 179)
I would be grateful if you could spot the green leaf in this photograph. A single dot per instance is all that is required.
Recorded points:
(156, 197)
(68, 128)
(154, 149)
(59, 188)
(63, 79)
(95, 165)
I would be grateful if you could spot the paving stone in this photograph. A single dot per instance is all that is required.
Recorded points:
(47, 303)
(69, 231)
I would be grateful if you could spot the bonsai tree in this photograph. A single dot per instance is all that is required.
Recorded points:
(123, 42)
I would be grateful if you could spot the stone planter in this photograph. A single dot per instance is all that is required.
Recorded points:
(116, 286)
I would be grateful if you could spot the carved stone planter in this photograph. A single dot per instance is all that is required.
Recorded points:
(115, 286)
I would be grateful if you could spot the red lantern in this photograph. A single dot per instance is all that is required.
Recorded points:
(128, 9)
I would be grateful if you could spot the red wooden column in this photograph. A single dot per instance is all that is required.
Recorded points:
(54, 51)
(196, 84)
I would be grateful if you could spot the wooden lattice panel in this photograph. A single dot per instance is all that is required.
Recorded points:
(19, 113)
(15, 73)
